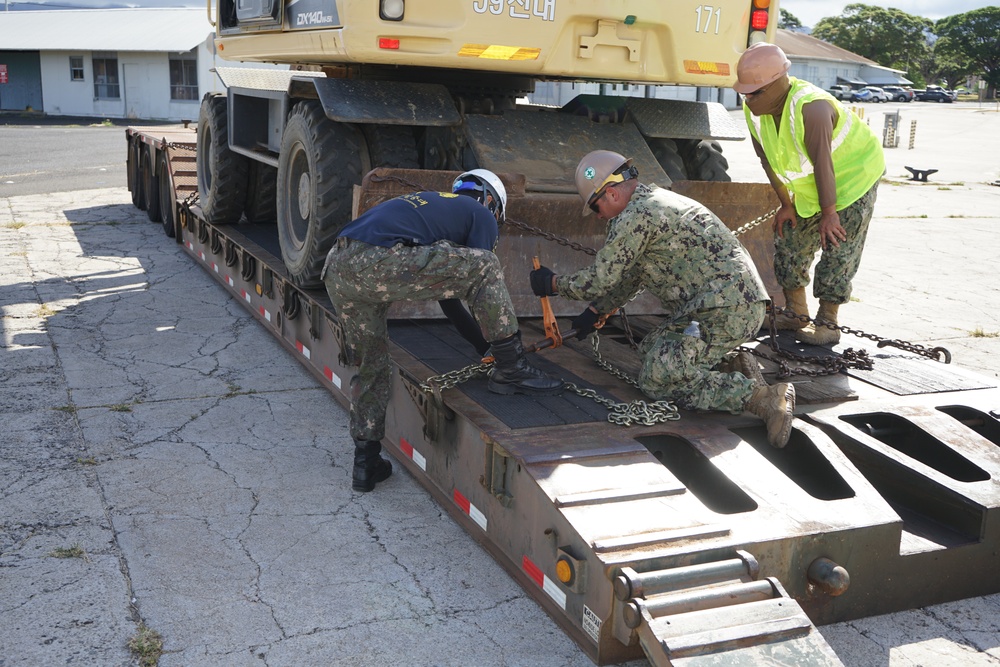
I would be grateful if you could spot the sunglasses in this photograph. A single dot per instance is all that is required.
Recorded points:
(593, 202)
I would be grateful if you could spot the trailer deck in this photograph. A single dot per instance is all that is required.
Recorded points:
(691, 541)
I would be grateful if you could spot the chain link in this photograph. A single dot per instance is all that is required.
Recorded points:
(935, 353)
(438, 383)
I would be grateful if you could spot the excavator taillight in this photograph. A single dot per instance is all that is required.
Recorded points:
(388, 43)
(391, 10)
(758, 19)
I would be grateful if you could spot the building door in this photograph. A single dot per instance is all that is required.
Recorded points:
(137, 91)
(23, 88)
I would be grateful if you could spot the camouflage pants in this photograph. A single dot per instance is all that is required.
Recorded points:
(837, 266)
(678, 367)
(363, 281)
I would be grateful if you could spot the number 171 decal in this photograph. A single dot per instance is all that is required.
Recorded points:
(707, 15)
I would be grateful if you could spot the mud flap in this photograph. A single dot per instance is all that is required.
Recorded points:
(701, 615)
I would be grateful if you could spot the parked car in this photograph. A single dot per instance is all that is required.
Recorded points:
(899, 94)
(933, 96)
(878, 95)
(841, 92)
(862, 95)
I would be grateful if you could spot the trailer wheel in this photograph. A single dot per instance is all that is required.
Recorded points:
(704, 161)
(319, 166)
(666, 153)
(168, 198)
(150, 187)
(262, 193)
(135, 175)
(222, 174)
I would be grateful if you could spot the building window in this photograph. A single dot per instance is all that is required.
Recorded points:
(106, 76)
(76, 68)
(184, 76)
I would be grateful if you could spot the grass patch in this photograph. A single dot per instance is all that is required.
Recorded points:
(45, 310)
(66, 408)
(147, 645)
(120, 407)
(75, 551)
(979, 333)
(88, 461)
(15, 225)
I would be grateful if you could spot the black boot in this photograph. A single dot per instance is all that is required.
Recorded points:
(512, 374)
(369, 467)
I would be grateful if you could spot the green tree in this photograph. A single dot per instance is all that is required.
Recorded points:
(889, 37)
(789, 21)
(972, 40)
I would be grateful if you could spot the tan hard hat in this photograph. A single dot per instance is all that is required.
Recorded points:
(596, 170)
(759, 65)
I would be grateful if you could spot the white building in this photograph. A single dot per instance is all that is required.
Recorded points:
(824, 65)
(108, 63)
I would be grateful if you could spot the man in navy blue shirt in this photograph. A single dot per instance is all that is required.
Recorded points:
(419, 247)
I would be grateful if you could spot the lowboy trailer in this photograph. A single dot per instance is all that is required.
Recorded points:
(689, 540)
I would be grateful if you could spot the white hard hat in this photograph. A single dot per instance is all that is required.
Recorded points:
(485, 181)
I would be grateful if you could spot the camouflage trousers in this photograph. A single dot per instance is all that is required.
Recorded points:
(837, 266)
(363, 281)
(679, 368)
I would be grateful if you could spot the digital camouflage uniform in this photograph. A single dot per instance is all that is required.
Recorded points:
(364, 280)
(837, 266)
(680, 252)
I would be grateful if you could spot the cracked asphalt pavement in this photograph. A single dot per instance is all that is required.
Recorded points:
(164, 461)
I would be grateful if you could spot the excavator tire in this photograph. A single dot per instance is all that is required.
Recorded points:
(319, 165)
(704, 161)
(392, 146)
(262, 194)
(667, 154)
(222, 174)
(150, 186)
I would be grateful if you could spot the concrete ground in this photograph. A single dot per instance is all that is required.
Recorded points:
(164, 462)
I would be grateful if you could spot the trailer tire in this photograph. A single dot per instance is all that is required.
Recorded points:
(704, 161)
(666, 153)
(135, 175)
(150, 186)
(222, 173)
(168, 197)
(262, 193)
(320, 163)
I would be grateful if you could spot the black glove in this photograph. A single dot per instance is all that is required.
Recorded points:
(462, 320)
(541, 281)
(584, 323)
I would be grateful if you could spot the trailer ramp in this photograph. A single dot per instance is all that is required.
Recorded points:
(718, 613)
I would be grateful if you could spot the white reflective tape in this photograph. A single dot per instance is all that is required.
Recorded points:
(554, 592)
(477, 516)
(215, 267)
(419, 459)
(303, 349)
(246, 295)
(229, 279)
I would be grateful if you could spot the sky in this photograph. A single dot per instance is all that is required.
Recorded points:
(806, 11)
(809, 12)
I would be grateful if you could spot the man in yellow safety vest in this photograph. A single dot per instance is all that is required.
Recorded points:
(824, 163)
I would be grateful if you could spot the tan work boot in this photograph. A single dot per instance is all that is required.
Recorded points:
(747, 364)
(775, 405)
(818, 334)
(795, 301)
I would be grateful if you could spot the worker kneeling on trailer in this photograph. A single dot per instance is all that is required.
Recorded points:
(420, 247)
(680, 252)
